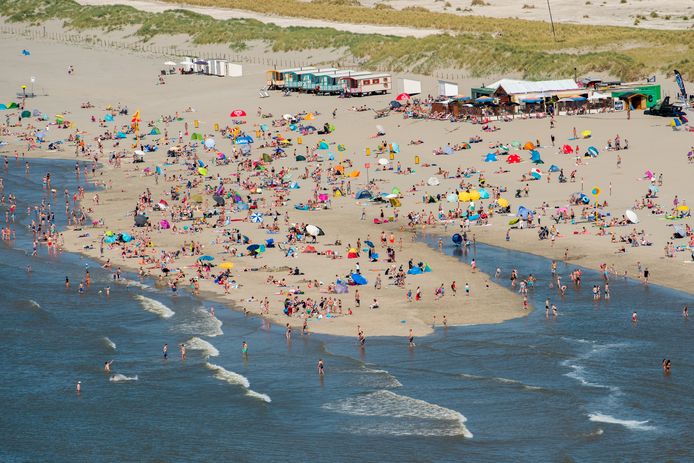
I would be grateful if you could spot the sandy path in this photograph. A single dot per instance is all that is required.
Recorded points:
(223, 13)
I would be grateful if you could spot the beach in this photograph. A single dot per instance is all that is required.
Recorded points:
(250, 265)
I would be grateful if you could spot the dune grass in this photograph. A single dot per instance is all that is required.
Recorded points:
(480, 46)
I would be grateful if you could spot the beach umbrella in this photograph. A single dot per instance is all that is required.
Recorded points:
(26, 113)
(226, 265)
(676, 122)
(516, 144)
(567, 149)
(369, 243)
(683, 208)
(475, 195)
(245, 140)
(314, 231)
(238, 113)
(210, 143)
(219, 200)
(452, 198)
(593, 151)
(26, 52)
(253, 248)
(586, 133)
(383, 161)
(206, 258)
(484, 194)
(163, 204)
(631, 216)
(402, 97)
(536, 175)
(164, 224)
(126, 238)
(433, 181)
(653, 188)
(323, 145)
(503, 202)
(202, 171)
(380, 130)
(140, 220)
(464, 196)
(256, 217)
(456, 238)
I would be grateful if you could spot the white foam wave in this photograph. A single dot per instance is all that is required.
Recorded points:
(236, 379)
(496, 379)
(204, 324)
(205, 347)
(133, 283)
(257, 395)
(390, 380)
(578, 373)
(110, 344)
(387, 404)
(230, 377)
(119, 378)
(629, 424)
(154, 306)
(34, 304)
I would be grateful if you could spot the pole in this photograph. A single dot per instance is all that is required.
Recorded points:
(551, 20)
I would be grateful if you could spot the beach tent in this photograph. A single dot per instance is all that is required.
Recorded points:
(196, 136)
(155, 131)
(352, 253)
(395, 191)
(244, 140)
(364, 194)
(238, 113)
(503, 202)
(294, 186)
(314, 231)
(219, 200)
(490, 157)
(631, 216)
(358, 279)
(567, 149)
(535, 157)
(141, 220)
(395, 104)
(164, 224)
(523, 212)
(120, 135)
(323, 145)
(300, 157)
(26, 113)
(484, 194)
(513, 159)
(586, 134)
(415, 271)
(529, 146)
(433, 181)
(394, 202)
(554, 168)
(452, 198)
(310, 250)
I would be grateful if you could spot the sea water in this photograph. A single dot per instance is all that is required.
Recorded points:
(587, 386)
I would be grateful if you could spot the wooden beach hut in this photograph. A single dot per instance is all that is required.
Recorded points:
(367, 84)
(276, 78)
(332, 84)
(304, 79)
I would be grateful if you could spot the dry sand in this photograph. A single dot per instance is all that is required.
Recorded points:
(111, 77)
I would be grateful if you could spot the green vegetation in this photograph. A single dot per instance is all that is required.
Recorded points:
(481, 46)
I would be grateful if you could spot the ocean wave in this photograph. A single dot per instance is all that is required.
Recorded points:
(205, 347)
(133, 283)
(154, 306)
(390, 381)
(578, 373)
(409, 412)
(497, 379)
(119, 378)
(204, 324)
(236, 379)
(230, 377)
(34, 304)
(629, 424)
(108, 343)
(257, 395)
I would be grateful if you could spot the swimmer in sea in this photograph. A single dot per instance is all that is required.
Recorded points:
(321, 367)
(67, 283)
(244, 348)
(634, 318)
(685, 312)
(183, 351)
(288, 332)
(79, 386)
(107, 366)
(212, 311)
(165, 351)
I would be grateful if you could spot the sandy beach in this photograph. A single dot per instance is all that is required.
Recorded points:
(112, 79)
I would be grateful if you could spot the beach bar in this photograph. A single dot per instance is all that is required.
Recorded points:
(367, 84)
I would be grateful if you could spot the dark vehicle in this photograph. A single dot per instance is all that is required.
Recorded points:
(665, 109)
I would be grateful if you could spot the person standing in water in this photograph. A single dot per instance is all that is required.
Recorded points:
(79, 387)
(634, 318)
(244, 348)
(165, 351)
(410, 339)
(321, 367)
(288, 332)
(183, 351)
(685, 312)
